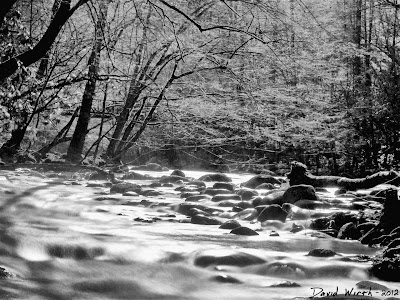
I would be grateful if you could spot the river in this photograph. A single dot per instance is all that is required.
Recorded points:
(60, 239)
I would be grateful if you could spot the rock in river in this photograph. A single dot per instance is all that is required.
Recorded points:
(272, 212)
(298, 192)
(321, 253)
(226, 257)
(205, 220)
(215, 177)
(244, 231)
(255, 181)
(225, 197)
(124, 187)
(231, 224)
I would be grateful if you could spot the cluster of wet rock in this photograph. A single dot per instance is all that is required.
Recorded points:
(372, 219)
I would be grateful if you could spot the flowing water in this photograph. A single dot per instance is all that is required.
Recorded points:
(63, 240)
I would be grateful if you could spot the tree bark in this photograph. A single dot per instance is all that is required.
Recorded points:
(78, 139)
(300, 175)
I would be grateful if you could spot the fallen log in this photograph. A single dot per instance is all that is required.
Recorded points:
(300, 175)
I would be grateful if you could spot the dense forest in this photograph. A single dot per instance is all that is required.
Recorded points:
(202, 84)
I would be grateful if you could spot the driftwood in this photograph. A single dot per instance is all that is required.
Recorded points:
(300, 175)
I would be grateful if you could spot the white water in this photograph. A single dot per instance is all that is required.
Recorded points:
(60, 243)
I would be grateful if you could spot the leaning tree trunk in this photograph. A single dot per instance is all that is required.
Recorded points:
(78, 139)
(300, 175)
(31, 56)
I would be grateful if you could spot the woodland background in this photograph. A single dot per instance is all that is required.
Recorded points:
(244, 84)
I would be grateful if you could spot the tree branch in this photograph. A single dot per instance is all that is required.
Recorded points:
(31, 56)
(203, 29)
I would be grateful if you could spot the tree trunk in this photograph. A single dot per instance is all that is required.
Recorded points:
(300, 175)
(78, 139)
(135, 89)
(11, 147)
(44, 62)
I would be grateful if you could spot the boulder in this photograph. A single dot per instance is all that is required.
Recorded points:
(200, 184)
(223, 278)
(321, 253)
(374, 286)
(231, 224)
(136, 176)
(276, 197)
(265, 186)
(195, 211)
(224, 185)
(196, 198)
(299, 192)
(178, 173)
(243, 231)
(247, 194)
(215, 177)
(310, 204)
(172, 179)
(204, 220)
(213, 192)
(247, 214)
(124, 187)
(255, 181)
(226, 258)
(272, 212)
(184, 208)
(349, 231)
(244, 204)
(99, 176)
(228, 203)
(221, 197)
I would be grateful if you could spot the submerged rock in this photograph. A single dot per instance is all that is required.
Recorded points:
(225, 197)
(227, 258)
(215, 177)
(196, 198)
(224, 185)
(321, 253)
(4, 273)
(366, 285)
(223, 278)
(213, 192)
(204, 220)
(124, 187)
(231, 224)
(349, 231)
(136, 176)
(299, 192)
(285, 284)
(178, 173)
(272, 212)
(255, 181)
(265, 186)
(247, 194)
(244, 231)
(172, 179)
(276, 197)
